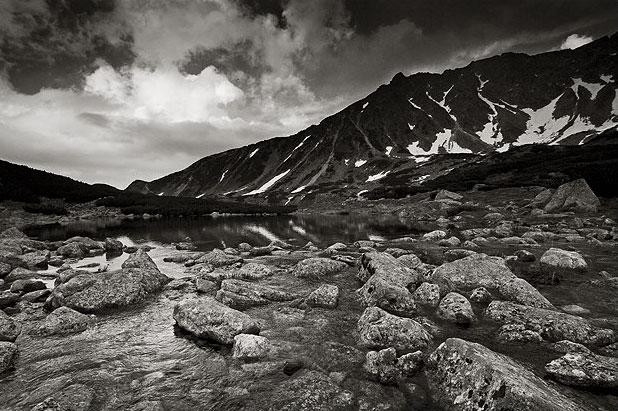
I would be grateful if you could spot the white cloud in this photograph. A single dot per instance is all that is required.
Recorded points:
(574, 41)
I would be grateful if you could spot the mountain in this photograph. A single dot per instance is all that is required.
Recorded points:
(422, 125)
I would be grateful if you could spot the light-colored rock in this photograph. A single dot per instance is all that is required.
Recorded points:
(558, 259)
(386, 368)
(76, 397)
(318, 267)
(325, 296)
(456, 308)
(481, 295)
(585, 370)
(250, 347)
(576, 196)
(379, 329)
(448, 195)
(434, 235)
(243, 294)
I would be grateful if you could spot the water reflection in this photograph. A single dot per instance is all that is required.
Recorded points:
(210, 232)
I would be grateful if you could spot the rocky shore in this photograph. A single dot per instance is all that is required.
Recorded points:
(469, 316)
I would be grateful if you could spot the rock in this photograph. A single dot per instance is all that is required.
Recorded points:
(457, 253)
(456, 308)
(556, 259)
(4, 269)
(291, 366)
(541, 199)
(434, 235)
(12, 233)
(36, 260)
(8, 354)
(207, 318)
(26, 286)
(242, 294)
(492, 273)
(217, 258)
(517, 334)
(337, 247)
(566, 346)
(318, 267)
(325, 296)
(575, 309)
(427, 294)
(94, 292)
(231, 251)
(576, 196)
(379, 329)
(244, 247)
(64, 321)
(8, 299)
(113, 246)
(309, 390)
(525, 256)
(386, 283)
(448, 195)
(203, 285)
(72, 250)
(365, 244)
(181, 258)
(250, 271)
(85, 242)
(185, 246)
(260, 251)
(20, 274)
(76, 397)
(9, 328)
(585, 370)
(481, 295)
(410, 261)
(386, 368)
(551, 325)
(467, 376)
(476, 233)
(36, 296)
(250, 347)
(397, 252)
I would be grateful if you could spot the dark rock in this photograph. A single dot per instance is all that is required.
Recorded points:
(35, 260)
(9, 328)
(457, 253)
(468, 376)
(8, 355)
(379, 329)
(113, 246)
(525, 256)
(291, 366)
(20, 273)
(26, 286)
(481, 295)
(8, 299)
(72, 250)
(206, 286)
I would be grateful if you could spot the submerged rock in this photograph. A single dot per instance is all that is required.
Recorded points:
(318, 267)
(379, 329)
(93, 292)
(63, 321)
(551, 325)
(10, 328)
(8, 354)
(325, 296)
(576, 196)
(585, 370)
(386, 283)
(467, 376)
(207, 318)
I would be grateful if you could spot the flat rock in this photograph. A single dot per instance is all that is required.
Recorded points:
(379, 329)
(207, 318)
(386, 283)
(467, 376)
(217, 258)
(448, 195)
(551, 325)
(318, 267)
(249, 271)
(35, 260)
(243, 294)
(585, 370)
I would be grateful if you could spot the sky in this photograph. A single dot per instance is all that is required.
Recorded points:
(116, 90)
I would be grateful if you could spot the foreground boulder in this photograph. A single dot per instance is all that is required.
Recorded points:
(93, 292)
(468, 376)
(207, 318)
(318, 267)
(575, 196)
(9, 328)
(8, 354)
(379, 329)
(386, 284)
(243, 294)
(63, 321)
(553, 326)
(585, 369)
(492, 273)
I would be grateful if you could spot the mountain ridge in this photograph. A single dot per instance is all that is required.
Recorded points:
(558, 97)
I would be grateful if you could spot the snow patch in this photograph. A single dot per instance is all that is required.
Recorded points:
(442, 103)
(268, 184)
(388, 150)
(378, 176)
(593, 88)
(414, 104)
(253, 152)
(411, 127)
(360, 193)
(299, 189)
(359, 163)
(607, 78)
(542, 127)
(161, 193)
(346, 161)
(200, 196)
(223, 175)
(444, 140)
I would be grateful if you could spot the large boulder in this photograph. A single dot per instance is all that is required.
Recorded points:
(379, 329)
(93, 292)
(318, 267)
(63, 321)
(113, 246)
(467, 376)
(585, 369)
(9, 328)
(243, 294)
(576, 196)
(556, 259)
(8, 354)
(492, 273)
(387, 283)
(551, 325)
(207, 318)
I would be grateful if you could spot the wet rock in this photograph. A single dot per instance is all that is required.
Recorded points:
(481, 295)
(250, 347)
(365, 244)
(113, 246)
(386, 368)
(76, 397)
(448, 195)
(72, 250)
(379, 329)
(8, 299)
(64, 321)
(325, 296)
(456, 308)
(585, 370)
(468, 376)
(492, 273)
(93, 292)
(566, 346)
(386, 283)
(318, 267)
(8, 355)
(427, 294)
(434, 235)
(551, 325)
(207, 318)
(217, 258)
(576, 196)
(181, 258)
(26, 286)
(309, 390)
(9, 328)
(525, 256)
(558, 259)
(242, 294)
(36, 296)
(457, 253)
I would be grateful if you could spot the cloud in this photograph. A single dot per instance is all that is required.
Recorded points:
(574, 41)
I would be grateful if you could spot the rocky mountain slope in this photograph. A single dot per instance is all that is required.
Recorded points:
(564, 97)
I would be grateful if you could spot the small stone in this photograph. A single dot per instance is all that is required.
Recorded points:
(575, 309)
(291, 366)
(434, 235)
